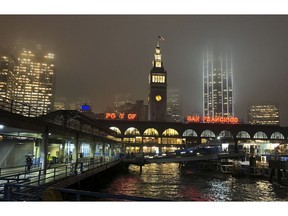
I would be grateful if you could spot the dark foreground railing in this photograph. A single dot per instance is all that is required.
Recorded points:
(80, 195)
(20, 192)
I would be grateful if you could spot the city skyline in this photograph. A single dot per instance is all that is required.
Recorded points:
(100, 56)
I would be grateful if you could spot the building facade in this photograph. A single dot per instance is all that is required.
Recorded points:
(157, 100)
(7, 79)
(34, 72)
(264, 114)
(27, 81)
(159, 137)
(218, 96)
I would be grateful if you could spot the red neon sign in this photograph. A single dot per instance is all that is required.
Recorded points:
(208, 119)
(130, 116)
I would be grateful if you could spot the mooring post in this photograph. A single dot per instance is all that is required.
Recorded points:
(140, 168)
(272, 172)
(279, 176)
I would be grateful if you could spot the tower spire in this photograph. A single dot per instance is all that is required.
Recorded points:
(157, 55)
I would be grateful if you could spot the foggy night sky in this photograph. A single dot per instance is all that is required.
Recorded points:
(100, 56)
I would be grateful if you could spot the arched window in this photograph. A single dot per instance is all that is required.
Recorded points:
(207, 133)
(150, 135)
(277, 135)
(243, 134)
(168, 137)
(170, 132)
(132, 135)
(260, 135)
(151, 132)
(190, 132)
(117, 130)
(225, 134)
(132, 131)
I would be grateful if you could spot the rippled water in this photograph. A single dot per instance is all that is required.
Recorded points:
(168, 181)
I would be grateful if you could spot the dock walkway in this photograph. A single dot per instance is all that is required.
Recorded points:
(18, 184)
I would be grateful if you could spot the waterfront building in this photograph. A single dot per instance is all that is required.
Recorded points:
(264, 114)
(157, 100)
(174, 111)
(218, 96)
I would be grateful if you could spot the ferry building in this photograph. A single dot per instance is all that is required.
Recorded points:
(157, 135)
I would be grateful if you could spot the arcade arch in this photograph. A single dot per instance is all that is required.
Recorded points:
(117, 130)
(225, 134)
(131, 135)
(150, 135)
(118, 133)
(208, 133)
(190, 133)
(167, 139)
(260, 135)
(277, 135)
(243, 134)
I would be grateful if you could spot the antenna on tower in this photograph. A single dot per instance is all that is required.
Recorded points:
(160, 39)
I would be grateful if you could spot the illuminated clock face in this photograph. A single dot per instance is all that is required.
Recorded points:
(158, 98)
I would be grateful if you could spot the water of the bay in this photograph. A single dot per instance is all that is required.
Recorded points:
(168, 181)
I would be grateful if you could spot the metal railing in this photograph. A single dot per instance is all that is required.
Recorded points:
(14, 106)
(13, 184)
(80, 195)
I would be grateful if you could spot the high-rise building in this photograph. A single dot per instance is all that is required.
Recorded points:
(34, 72)
(263, 114)
(174, 111)
(27, 81)
(7, 79)
(218, 96)
(157, 100)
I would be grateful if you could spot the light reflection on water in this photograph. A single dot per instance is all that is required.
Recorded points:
(168, 181)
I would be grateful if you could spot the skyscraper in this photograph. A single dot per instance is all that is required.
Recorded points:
(218, 96)
(157, 101)
(7, 79)
(29, 80)
(35, 77)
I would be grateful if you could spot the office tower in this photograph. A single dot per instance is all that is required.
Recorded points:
(174, 112)
(7, 80)
(218, 96)
(157, 100)
(34, 72)
(263, 114)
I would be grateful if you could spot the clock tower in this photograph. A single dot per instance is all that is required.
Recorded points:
(157, 100)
